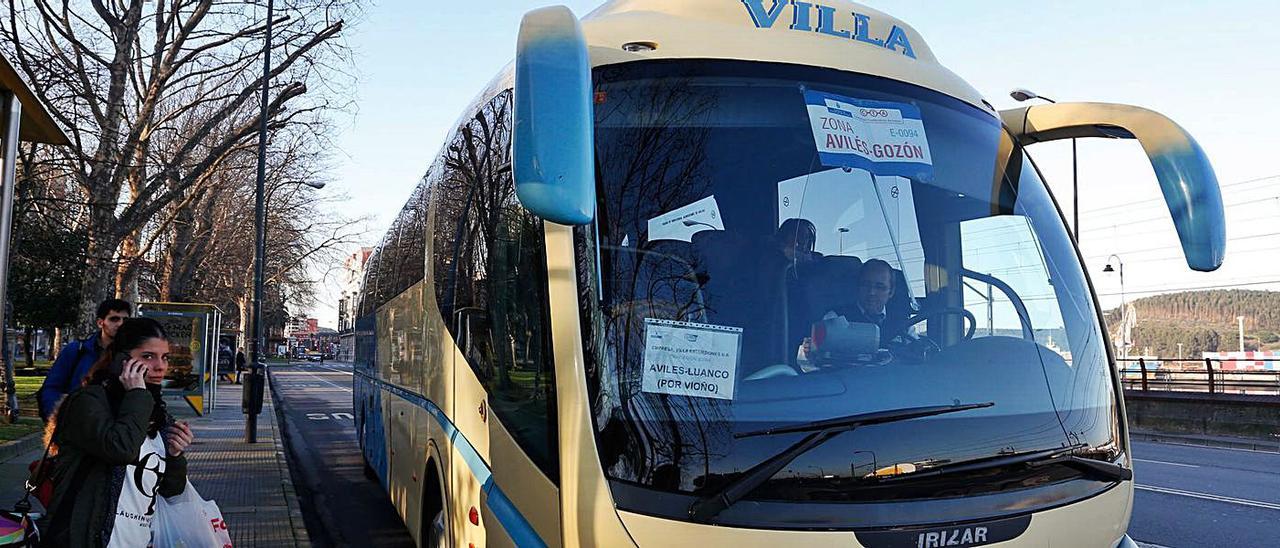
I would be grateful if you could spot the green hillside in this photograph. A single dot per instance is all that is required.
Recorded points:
(1203, 321)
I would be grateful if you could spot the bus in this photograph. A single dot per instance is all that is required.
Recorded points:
(750, 273)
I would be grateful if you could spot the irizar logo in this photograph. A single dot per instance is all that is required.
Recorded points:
(966, 536)
(814, 17)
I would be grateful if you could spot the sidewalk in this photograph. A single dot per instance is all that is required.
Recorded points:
(250, 482)
(1227, 442)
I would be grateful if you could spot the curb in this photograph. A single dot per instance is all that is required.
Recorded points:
(300, 535)
(1186, 439)
(13, 448)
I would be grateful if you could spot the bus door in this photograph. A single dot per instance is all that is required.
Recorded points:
(494, 301)
(470, 469)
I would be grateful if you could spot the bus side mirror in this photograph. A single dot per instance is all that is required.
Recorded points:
(1186, 178)
(554, 163)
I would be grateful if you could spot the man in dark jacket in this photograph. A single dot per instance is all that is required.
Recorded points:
(78, 356)
(240, 368)
(876, 285)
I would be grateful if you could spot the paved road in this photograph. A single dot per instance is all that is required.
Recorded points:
(1201, 496)
(1187, 496)
(341, 506)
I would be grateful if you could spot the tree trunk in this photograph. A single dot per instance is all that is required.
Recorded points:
(242, 340)
(55, 345)
(26, 347)
(127, 271)
(98, 286)
(178, 272)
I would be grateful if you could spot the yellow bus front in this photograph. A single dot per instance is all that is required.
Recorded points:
(825, 298)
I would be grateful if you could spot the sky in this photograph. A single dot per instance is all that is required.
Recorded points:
(1210, 66)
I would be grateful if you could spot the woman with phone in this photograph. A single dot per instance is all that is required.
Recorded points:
(117, 446)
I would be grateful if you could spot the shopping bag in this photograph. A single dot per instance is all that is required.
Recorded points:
(188, 521)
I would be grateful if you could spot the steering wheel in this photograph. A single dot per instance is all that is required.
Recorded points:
(946, 311)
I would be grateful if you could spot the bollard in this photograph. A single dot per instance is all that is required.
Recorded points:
(1142, 364)
(1208, 367)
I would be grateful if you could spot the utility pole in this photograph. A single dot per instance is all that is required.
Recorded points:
(12, 120)
(1240, 321)
(253, 387)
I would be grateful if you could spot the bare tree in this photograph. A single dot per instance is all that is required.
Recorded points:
(156, 95)
(201, 249)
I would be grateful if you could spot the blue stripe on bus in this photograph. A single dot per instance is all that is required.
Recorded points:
(506, 512)
(513, 522)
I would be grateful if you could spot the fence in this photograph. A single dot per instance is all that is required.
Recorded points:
(1199, 375)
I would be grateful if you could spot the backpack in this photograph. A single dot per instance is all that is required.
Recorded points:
(80, 343)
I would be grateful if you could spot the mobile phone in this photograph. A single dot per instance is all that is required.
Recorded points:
(117, 364)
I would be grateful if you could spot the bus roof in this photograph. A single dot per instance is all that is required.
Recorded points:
(828, 33)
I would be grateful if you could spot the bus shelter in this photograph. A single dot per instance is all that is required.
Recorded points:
(22, 118)
(194, 351)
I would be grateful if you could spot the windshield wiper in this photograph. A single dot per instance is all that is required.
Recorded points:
(1034, 459)
(709, 506)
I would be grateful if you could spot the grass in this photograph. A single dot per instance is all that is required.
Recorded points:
(26, 388)
(24, 426)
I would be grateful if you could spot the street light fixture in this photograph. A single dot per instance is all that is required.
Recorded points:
(1124, 309)
(313, 184)
(691, 222)
(1022, 94)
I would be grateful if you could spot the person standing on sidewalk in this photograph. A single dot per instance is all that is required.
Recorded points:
(117, 446)
(239, 364)
(77, 357)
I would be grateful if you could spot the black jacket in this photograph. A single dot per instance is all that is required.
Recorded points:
(96, 438)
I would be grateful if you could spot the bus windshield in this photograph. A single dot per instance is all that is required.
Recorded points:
(779, 245)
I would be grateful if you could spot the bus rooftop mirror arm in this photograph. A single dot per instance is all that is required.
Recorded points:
(554, 163)
(1186, 178)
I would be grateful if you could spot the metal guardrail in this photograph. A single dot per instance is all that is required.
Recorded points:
(1198, 375)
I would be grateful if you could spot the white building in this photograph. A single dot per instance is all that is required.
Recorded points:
(350, 279)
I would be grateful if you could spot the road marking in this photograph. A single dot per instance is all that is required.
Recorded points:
(1207, 496)
(326, 416)
(344, 389)
(347, 373)
(1168, 463)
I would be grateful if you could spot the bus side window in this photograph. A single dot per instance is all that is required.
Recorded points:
(491, 253)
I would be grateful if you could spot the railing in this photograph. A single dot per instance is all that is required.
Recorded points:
(1202, 375)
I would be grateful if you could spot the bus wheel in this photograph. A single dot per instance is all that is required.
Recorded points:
(435, 535)
(433, 525)
(369, 472)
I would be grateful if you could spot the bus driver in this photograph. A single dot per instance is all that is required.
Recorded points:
(875, 288)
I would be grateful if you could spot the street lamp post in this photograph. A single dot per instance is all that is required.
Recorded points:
(1240, 320)
(1124, 309)
(1021, 95)
(253, 385)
